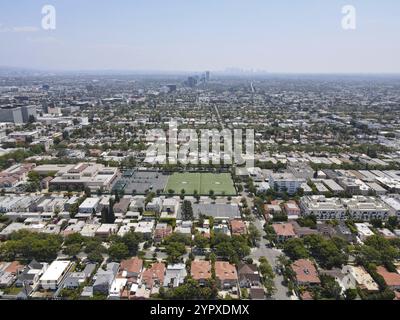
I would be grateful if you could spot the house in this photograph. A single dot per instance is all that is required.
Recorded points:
(89, 230)
(153, 278)
(131, 268)
(106, 230)
(357, 276)
(364, 231)
(257, 294)
(170, 206)
(392, 279)
(326, 230)
(338, 275)
(75, 279)
(154, 205)
(305, 272)
(116, 291)
(122, 206)
(104, 278)
(162, 231)
(226, 274)
(6, 280)
(387, 233)
(175, 275)
(9, 272)
(343, 231)
(54, 274)
(14, 268)
(222, 228)
(145, 228)
(248, 275)
(201, 271)
(89, 206)
(238, 227)
(291, 208)
(31, 274)
(272, 209)
(283, 231)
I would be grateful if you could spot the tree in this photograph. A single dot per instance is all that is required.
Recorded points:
(118, 251)
(200, 241)
(94, 245)
(187, 210)
(72, 250)
(254, 234)
(95, 256)
(132, 240)
(295, 249)
(328, 253)
(88, 193)
(233, 249)
(244, 293)
(378, 250)
(104, 215)
(28, 245)
(74, 238)
(110, 217)
(392, 222)
(192, 290)
(330, 288)
(268, 275)
(350, 294)
(175, 250)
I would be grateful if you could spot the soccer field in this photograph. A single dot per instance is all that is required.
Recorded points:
(221, 183)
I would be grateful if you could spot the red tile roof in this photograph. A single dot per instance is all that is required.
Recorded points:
(133, 265)
(200, 270)
(284, 229)
(225, 271)
(392, 279)
(153, 274)
(305, 271)
(14, 267)
(238, 227)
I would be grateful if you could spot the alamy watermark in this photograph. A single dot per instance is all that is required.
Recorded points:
(349, 20)
(205, 146)
(49, 21)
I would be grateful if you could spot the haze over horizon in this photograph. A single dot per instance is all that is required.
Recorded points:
(186, 36)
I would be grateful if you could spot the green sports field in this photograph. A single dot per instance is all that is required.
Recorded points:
(220, 183)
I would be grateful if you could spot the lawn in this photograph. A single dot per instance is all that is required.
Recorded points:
(13, 291)
(221, 184)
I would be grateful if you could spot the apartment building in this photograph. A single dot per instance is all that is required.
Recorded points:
(323, 208)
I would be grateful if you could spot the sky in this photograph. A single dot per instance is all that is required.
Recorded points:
(277, 36)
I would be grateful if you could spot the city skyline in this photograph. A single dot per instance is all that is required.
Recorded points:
(178, 36)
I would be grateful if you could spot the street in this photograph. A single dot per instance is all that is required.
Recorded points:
(271, 255)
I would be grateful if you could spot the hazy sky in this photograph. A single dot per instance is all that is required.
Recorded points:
(292, 36)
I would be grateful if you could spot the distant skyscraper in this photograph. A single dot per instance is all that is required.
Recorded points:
(207, 76)
(192, 81)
